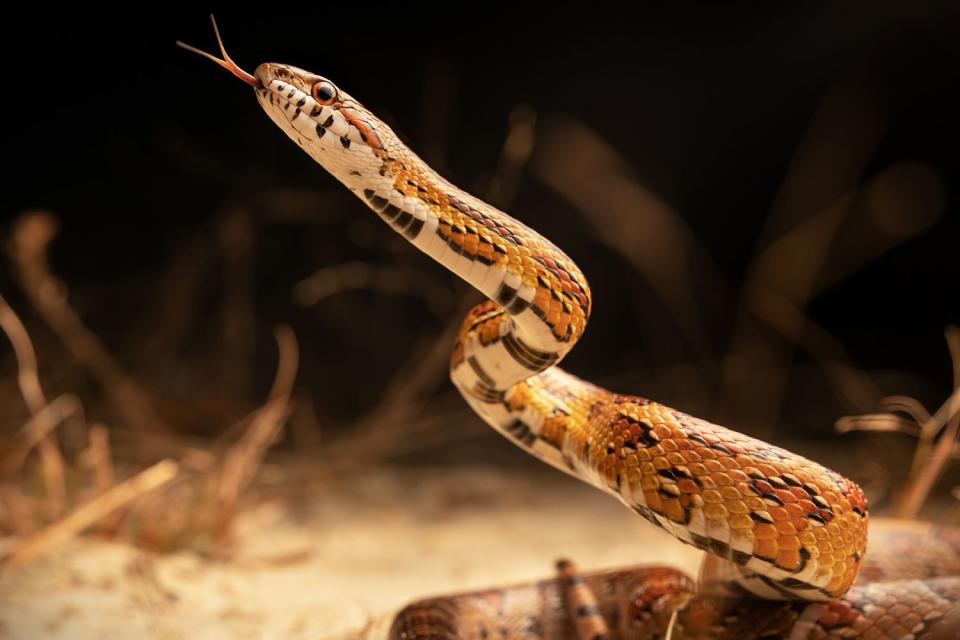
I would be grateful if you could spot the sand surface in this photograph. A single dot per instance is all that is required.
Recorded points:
(339, 565)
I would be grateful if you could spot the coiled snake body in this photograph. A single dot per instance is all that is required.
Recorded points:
(786, 536)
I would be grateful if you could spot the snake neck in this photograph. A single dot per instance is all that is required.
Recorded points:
(539, 299)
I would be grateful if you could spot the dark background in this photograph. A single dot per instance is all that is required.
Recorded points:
(147, 153)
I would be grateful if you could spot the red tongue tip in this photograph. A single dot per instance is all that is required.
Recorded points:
(227, 62)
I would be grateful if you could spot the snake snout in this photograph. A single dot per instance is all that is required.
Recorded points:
(270, 71)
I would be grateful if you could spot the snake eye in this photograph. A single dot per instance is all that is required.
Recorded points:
(324, 92)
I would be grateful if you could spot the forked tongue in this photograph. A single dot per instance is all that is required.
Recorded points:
(227, 62)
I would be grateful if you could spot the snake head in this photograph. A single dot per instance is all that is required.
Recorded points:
(312, 107)
(336, 130)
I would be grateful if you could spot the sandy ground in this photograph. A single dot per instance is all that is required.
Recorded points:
(338, 567)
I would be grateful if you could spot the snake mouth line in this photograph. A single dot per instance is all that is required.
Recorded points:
(227, 62)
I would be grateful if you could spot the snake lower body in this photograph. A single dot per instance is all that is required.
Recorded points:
(904, 591)
(787, 535)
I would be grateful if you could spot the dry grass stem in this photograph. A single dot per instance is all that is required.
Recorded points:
(35, 431)
(244, 458)
(598, 181)
(99, 458)
(813, 201)
(32, 235)
(90, 513)
(380, 431)
(29, 381)
(907, 405)
(936, 434)
(351, 276)
(780, 313)
(878, 422)
(930, 460)
(514, 155)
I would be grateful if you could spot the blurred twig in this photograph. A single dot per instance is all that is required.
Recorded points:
(389, 423)
(878, 422)
(855, 387)
(942, 428)
(813, 201)
(337, 279)
(31, 237)
(34, 433)
(244, 458)
(929, 463)
(91, 512)
(514, 155)
(38, 429)
(98, 458)
(586, 170)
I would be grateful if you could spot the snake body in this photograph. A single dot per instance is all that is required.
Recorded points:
(783, 526)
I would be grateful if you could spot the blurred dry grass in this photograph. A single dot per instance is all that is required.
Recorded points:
(144, 473)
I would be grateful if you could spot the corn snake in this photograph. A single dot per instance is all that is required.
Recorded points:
(786, 536)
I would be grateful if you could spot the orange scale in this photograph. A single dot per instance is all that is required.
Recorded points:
(660, 462)
(766, 549)
(706, 481)
(688, 486)
(765, 532)
(799, 493)
(730, 463)
(778, 513)
(807, 506)
(789, 542)
(730, 493)
(676, 459)
(711, 495)
(785, 496)
(767, 470)
(789, 559)
(673, 510)
(763, 486)
(835, 586)
(795, 510)
(713, 466)
(785, 528)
